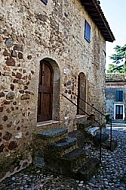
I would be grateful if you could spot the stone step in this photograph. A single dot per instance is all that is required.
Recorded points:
(93, 130)
(61, 147)
(73, 160)
(84, 125)
(68, 164)
(44, 138)
(52, 133)
(75, 165)
(87, 171)
(88, 130)
(103, 138)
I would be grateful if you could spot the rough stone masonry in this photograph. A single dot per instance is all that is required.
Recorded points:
(30, 32)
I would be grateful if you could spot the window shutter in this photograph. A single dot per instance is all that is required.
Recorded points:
(119, 96)
(87, 32)
(44, 1)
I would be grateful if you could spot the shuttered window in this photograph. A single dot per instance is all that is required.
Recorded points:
(119, 96)
(87, 31)
(44, 1)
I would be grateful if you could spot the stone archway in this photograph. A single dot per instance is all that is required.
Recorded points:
(50, 90)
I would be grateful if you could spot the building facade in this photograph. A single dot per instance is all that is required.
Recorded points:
(116, 96)
(47, 48)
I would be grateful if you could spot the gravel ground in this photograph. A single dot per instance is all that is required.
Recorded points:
(111, 175)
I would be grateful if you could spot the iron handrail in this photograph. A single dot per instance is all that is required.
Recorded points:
(91, 106)
(110, 121)
(100, 126)
(80, 108)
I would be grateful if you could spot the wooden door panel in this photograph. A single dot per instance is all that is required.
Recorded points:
(119, 116)
(46, 102)
(45, 91)
(81, 94)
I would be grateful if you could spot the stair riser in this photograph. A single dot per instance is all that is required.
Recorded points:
(73, 166)
(70, 169)
(41, 144)
(59, 154)
(66, 165)
(86, 176)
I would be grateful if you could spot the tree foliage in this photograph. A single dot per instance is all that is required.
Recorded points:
(119, 60)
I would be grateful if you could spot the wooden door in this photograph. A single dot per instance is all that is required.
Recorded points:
(81, 94)
(119, 112)
(45, 91)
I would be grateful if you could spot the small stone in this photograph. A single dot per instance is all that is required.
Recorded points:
(1, 148)
(1, 109)
(25, 97)
(13, 178)
(10, 96)
(1, 126)
(12, 87)
(80, 184)
(6, 53)
(5, 118)
(10, 62)
(12, 145)
(2, 94)
(29, 57)
(9, 42)
(7, 136)
(18, 75)
(13, 53)
(20, 55)
(18, 47)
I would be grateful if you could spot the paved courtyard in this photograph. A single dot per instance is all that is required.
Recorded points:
(111, 175)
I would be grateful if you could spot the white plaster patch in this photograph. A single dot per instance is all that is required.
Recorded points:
(19, 135)
(66, 71)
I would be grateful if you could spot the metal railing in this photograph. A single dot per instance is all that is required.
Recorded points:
(100, 125)
(109, 122)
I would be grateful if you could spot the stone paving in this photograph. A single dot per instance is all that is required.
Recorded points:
(111, 175)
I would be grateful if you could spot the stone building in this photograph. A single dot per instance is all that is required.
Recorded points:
(115, 93)
(47, 48)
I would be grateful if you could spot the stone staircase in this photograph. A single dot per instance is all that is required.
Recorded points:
(59, 152)
(91, 134)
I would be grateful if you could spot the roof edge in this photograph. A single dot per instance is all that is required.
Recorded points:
(95, 12)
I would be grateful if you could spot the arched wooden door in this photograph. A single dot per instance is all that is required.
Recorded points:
(45, 92)
(81, 94)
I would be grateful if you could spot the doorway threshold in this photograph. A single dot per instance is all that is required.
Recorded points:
(46, 125)
(49, 122)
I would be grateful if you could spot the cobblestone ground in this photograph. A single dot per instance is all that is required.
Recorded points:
(111, 175)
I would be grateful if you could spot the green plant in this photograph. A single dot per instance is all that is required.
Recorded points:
(108, 119)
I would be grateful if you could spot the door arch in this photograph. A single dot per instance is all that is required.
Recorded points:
(81, 94)
(45, 92)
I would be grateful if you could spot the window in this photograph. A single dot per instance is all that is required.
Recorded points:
(119, 112)
(119, 96)
(44, 1)
(87, 31)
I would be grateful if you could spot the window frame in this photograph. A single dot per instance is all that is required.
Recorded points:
(123, 113)
(119, 96)
(87, 32)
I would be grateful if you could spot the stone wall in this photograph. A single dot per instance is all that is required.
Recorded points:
(115, 82)
(115, 77)
(29, 32)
